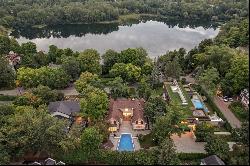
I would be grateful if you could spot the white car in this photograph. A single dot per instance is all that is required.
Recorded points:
(225, 99)
(231, 99)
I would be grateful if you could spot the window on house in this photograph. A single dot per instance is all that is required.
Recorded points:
(115, 122)
(141, 122)
(136, 122)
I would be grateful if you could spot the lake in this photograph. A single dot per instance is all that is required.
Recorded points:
(156, 37)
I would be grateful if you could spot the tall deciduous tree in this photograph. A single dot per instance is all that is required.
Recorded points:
(168, 124)
(217, 146)
(34, 130)
(90, 61)
(71, 66)
(209, 79)
(144, 89)
(202, 131)
(109, 59)
(154, 108)
(7, 73)
(167, 154)
(118, 88)
(86, 82)
(128, 72)
(237, 77)
(91, 140)
(94, 105)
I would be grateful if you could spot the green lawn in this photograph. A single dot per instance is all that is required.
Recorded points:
(190, 104)
(176, 99)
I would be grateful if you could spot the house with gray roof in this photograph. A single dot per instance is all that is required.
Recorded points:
(64, 109)
(212, 160)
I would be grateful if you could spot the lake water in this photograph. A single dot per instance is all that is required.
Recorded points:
(156, 37)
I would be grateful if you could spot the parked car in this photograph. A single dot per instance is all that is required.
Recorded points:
(230, 99)
(225, 99)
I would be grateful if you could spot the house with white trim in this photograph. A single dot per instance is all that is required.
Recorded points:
(65, 109)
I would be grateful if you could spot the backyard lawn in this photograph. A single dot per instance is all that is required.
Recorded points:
(176, 99)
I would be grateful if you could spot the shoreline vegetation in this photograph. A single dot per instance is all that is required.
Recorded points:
(27, 127)
(125, 19)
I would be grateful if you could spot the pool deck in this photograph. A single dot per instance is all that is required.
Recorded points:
(126, 127)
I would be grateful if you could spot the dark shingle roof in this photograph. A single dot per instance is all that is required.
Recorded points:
(50, 161)
(66, 107)
(212, 160)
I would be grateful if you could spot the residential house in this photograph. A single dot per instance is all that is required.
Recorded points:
(48, 161)
(66, 109)
(212, 160)
(126, 110)
(14, 59)
(244, 97)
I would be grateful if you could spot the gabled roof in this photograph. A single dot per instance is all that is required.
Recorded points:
(35, 163)
(50, 161)
(116, 107)
(212, 160)
(65, 107)
(60, 163)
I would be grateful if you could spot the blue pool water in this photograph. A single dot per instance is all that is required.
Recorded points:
(197, 104)
(125, 143)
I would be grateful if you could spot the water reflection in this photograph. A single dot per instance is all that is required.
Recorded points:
(156, 37)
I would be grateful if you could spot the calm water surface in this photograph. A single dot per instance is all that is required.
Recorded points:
(155, 37)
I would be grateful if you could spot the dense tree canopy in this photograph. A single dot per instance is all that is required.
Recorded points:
(33, 130)
(47, 76)
(7, 73)
(128, 72)
(209, 79)
(167, 154)
(89, 61)
(235, 33)
(118, 88)
(168, 124)
(217, 146)
(155, 107)
(86, 83)
(44, 12)
(94, 105)
(203, 131)
(71, 66)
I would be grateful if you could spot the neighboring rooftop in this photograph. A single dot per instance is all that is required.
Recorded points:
(65, 107)
(212, 160)
(245, 94)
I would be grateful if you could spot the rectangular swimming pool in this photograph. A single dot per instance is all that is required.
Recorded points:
(125, 143)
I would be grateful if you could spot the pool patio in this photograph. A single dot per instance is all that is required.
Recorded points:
(126, 127)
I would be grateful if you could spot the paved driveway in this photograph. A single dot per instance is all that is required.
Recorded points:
(186, 144)
(234, 122)
(223, 106)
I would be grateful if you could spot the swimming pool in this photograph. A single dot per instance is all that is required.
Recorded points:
(197, 104)
(125, 143)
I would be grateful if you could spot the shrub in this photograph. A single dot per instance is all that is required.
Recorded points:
(191, 156)
(7, 98)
